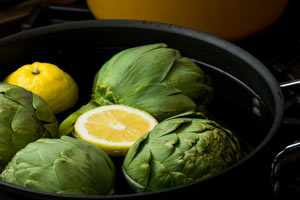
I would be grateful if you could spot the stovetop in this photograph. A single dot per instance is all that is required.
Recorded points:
(278, 47)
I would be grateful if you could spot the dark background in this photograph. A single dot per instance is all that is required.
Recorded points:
(278, 47)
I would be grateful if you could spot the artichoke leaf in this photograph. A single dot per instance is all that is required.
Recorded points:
(164, 147)
(168, 127)
(42, 110)
(29, 158)
(180, 178)
(160, 177)
(75, 161)
(7, 111)
(171, 100)
(7, 150)
(26, 128)
(137, 165)
(175, 161)
(191, 80)
(51, 131)
(83, 162)
(150, 67)
(27, 162)
(47, 155)
(195, 126)
(138, 144)
(119, 63)
(189, 114)
(40, 180)
(18, 95)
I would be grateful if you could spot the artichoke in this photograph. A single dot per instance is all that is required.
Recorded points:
(65, 166)
(180, 150)
(24, 118)
(153, 78)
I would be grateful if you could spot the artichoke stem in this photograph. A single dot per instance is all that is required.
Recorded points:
(66, 127)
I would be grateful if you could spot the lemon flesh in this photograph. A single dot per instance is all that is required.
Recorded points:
(114, 128)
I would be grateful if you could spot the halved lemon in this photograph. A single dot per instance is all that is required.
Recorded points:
(114, 128)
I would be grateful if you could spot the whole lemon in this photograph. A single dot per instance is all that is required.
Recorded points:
(48, 81)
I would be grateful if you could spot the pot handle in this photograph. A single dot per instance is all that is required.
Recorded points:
(289, 83)
(286, 162)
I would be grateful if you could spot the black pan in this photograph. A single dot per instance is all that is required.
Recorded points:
(248, 99)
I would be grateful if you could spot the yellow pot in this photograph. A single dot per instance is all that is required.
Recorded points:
(228, 19)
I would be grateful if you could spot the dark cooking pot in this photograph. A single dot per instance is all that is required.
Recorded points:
(248, 99)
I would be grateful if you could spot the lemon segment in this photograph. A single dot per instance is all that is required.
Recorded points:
(114, 128)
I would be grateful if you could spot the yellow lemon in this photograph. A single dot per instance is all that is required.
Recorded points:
(48, 81)
(114, 128)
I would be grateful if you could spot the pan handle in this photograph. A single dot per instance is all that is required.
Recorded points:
(289, 83)
(287, 160)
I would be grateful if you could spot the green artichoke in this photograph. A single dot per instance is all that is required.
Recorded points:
(65, 166)
(24, 118)
(153, 78)
(180, 150)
